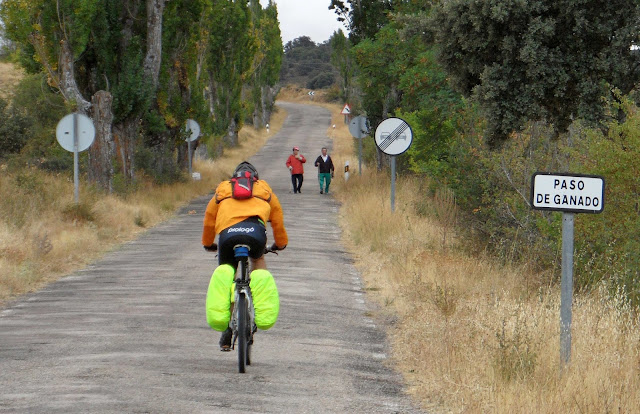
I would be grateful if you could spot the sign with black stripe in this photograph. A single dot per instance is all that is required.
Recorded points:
(393, 136)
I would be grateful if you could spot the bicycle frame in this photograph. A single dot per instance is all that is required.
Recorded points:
(243, 318)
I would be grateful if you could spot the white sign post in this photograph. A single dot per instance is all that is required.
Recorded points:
(193, 129)
(569, 193)
(393, 136)
(75, 133)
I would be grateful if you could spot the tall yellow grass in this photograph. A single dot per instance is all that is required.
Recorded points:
(43, 235)
(471, 336)
(10, 75)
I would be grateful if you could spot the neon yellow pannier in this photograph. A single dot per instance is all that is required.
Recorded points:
(219, 298)
(266, 301)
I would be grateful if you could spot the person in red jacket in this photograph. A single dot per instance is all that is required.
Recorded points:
(294, 163)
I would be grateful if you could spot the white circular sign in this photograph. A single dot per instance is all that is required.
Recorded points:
(193, 129)
(359, 127)
(393, 136)
(85, 132)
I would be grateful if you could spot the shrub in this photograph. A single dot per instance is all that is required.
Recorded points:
(13, 129)
(78, 212)
(321, 81)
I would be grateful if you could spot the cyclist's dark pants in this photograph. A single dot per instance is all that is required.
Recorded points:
(251, 232)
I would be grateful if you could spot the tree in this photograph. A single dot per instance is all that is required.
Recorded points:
(539, 59)
(305, 60)
(140, 68)
(341, 59)
(266, 62)
(230, 56)
(363, 18)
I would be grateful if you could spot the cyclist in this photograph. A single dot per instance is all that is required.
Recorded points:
(238, 212)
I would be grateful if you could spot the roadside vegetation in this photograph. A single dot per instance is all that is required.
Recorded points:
(44, 234)
(472, 333)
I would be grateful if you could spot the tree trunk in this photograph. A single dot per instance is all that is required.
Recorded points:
(68, 85)
(256, 118)
(125, 136)
(266, 98)
(102, 150)
(233, 132)
(155, 9)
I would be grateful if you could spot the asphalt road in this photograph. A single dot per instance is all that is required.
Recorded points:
(128, 334)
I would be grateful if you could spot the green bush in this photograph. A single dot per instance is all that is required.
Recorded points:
(27, 129)
(492, 187)
(607, 244)
(13, 129)
(321, 81)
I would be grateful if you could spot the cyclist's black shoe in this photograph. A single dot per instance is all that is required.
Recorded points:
(225, 340)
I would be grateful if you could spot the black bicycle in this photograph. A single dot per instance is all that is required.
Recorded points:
(243, 319)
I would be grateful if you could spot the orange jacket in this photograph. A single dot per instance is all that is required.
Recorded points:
(296, 164)
(224, 211)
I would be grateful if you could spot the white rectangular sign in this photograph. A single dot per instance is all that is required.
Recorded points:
(572, 193)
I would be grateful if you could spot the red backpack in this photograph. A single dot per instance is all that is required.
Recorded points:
(242, 186)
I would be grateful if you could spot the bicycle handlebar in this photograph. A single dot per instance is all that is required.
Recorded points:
(272, 249)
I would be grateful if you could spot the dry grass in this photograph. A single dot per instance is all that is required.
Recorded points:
(44, 235)
(470, 336)
(10, 75)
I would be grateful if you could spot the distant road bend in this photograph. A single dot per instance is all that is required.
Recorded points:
(128, 334)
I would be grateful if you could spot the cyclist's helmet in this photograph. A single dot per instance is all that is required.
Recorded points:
(245, 166)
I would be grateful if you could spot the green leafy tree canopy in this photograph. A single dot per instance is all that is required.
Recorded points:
(551, 60)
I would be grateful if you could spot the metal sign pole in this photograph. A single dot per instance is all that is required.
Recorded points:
(393, 183)
(360, 156)
(569, 193)
(566, 294)
(76, 180)
(189, 150)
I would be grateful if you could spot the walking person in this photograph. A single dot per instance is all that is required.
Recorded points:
(294, 163)
(325, 170)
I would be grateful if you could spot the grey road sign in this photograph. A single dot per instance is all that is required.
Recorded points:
(359, 127)
(75, 126)
(193, 128)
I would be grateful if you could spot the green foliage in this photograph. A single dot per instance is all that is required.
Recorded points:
(26, 128)
(209, 53)
(363, 18)
(607, 244)
(13, 129)
(548, 71)
(321, 81)
(304, 61)
(399, 76)
(538, 60)
(342, 60)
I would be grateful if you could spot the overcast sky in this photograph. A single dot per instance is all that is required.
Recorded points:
(306, 18)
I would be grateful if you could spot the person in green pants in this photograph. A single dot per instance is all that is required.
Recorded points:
(325, 170)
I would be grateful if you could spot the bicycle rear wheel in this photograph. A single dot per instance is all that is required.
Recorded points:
(242, 332)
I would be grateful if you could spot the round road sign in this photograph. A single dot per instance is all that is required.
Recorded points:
(193, 129)
(85, 132)
(359, 127)
(393, 136)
